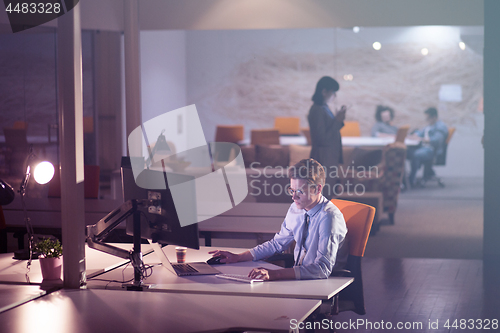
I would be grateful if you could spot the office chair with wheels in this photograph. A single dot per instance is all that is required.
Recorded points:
(358, 218)
(438, 160)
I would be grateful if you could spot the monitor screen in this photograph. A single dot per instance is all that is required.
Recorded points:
(165, 228)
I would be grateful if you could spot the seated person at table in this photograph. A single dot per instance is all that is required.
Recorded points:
(316, 225)
(384, 116)
(432, 140)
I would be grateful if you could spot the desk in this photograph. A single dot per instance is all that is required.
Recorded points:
(97, 262)
(348, 141)
(246, 220)
(165, 281)
(14, 295)
(82, 311)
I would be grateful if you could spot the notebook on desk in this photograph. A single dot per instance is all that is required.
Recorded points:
(185, 269)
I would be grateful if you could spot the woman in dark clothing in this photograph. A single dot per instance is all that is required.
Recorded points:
(325, 129)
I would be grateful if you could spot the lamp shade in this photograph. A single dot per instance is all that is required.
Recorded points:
(44, 171)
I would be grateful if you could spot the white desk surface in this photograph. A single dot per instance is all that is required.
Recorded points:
(165, 281)
(82, 311)
(248, 217)
(97, 262)
(348, 141)
(12, 295)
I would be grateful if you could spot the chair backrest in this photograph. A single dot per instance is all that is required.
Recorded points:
(358, 218)
(440, 159)
(16, 138)
(401, 133)
(307, 133)
(287, 125)
(229, 133)
(91, 183)
(351, 128)
(265, 137)
(20, 124)
(451, 131)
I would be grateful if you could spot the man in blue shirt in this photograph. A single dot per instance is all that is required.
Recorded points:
(316, 225)
(432, 141)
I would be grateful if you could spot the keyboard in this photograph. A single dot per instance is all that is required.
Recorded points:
(239, 278)
(184, 268)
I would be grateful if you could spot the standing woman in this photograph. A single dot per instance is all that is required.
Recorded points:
(325, 129)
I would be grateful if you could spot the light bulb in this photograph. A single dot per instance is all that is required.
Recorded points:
(355, 30)
(44, 172)
(461, 45)
(425, 51)
(377, 46)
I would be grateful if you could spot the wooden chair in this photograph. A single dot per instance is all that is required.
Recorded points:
(358, 218)
(20, 124)
(401, 134)
(287, 125)
(265, 137)
(351, 128)
(229, 133)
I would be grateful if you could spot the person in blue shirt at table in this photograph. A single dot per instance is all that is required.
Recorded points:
(432, 140)
(383, 127)
(316, 224)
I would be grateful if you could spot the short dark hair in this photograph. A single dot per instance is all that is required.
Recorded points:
(432, 112)
(308, 169)
(382, 108)
(327, 83)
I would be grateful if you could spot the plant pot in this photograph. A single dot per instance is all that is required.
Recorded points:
(51, 268)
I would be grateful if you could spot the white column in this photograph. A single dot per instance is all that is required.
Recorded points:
(132, 66)
(70, 100)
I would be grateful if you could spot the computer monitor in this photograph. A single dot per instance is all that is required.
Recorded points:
(163, 228)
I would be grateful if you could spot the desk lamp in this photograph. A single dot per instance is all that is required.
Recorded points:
(43, 173)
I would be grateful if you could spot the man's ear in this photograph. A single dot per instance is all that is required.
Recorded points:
(319, 188)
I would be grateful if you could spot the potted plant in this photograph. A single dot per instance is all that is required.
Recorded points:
(50, 252)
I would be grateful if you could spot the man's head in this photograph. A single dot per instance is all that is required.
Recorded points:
(432, 115)
(307, 179)
(384, 114)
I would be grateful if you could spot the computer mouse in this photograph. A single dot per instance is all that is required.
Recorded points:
(215, 261)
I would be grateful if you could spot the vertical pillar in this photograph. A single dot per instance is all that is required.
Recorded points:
(132, 67)
(70, 101)
(491, 247)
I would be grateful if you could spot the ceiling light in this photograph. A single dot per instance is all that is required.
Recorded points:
(461, 45)
(424, 51)
(355, 29)
(377, 46)
(348, 77)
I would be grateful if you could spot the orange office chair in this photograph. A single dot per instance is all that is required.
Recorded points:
(401, 134)
(287, 125)
(358, 218)
(351, 128)
(229, 133)
(265, 137)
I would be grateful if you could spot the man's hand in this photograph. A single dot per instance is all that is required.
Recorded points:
(341, 113)
(272, 274)
(229, 257)
(261, 273)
